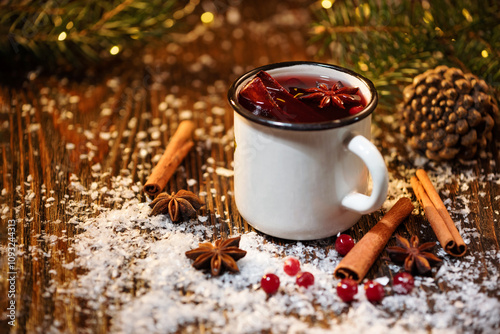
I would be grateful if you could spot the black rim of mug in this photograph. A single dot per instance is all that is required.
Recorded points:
(233, 100)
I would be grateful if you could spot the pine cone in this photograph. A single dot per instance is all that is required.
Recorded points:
(448, 114)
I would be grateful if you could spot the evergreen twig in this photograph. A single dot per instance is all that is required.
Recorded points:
(82, 31)
(391, 41)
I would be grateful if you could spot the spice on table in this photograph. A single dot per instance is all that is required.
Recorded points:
(437, 214)
(176, 151)
(180, 206)
(415, 257)
(219, 257)
(360, 258)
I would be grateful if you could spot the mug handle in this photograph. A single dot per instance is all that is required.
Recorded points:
(372, 158)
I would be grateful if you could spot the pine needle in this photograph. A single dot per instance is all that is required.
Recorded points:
(391, 41)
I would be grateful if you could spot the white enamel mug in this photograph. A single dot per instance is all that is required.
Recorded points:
(304, 181)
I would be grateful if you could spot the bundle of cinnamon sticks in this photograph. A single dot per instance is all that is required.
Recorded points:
(437, 214)
(361, 257)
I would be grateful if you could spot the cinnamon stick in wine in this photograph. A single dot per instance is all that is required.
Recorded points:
(437, 214)
(176, 151)
(361, 257)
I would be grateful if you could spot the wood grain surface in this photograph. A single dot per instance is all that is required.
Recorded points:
(96, 127)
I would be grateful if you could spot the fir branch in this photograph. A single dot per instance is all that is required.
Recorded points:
(108, 15)
(391, 41)
(79, 31)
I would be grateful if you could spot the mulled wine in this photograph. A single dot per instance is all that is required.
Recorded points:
(300, 99)
(300, 169)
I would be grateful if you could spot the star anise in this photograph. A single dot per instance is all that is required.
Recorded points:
(338, 95)
(223, 255)
(180, 206)
(413, 255)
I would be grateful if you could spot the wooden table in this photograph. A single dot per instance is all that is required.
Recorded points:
(93, 128)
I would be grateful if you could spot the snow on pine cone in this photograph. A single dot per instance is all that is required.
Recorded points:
(448, 114)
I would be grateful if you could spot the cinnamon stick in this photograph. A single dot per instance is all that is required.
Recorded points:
(437, 215)
(176, 151)
(361, 257)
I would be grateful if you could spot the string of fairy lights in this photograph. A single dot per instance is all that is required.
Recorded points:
(206, 17)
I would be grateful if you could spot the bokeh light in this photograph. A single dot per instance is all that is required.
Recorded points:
(326, 4)
(114, 50)
(207, 17)
(62, 36)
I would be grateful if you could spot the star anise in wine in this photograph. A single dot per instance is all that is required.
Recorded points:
(338, 95)
(219, 257)
(415, 257)
(180, 206)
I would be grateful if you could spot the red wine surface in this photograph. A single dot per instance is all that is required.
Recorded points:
(284, 98)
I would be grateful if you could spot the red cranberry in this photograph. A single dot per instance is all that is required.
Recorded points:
(305, 279)
(291, 266)
(270, 283)
(374, 291)
(347, 289)
(403, 283)
(344, 244)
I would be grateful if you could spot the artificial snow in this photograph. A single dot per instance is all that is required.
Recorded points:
(119, 248)
(124, 249)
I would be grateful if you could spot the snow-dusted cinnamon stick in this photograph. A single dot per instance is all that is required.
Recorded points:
(176, 151)
(361, 257)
